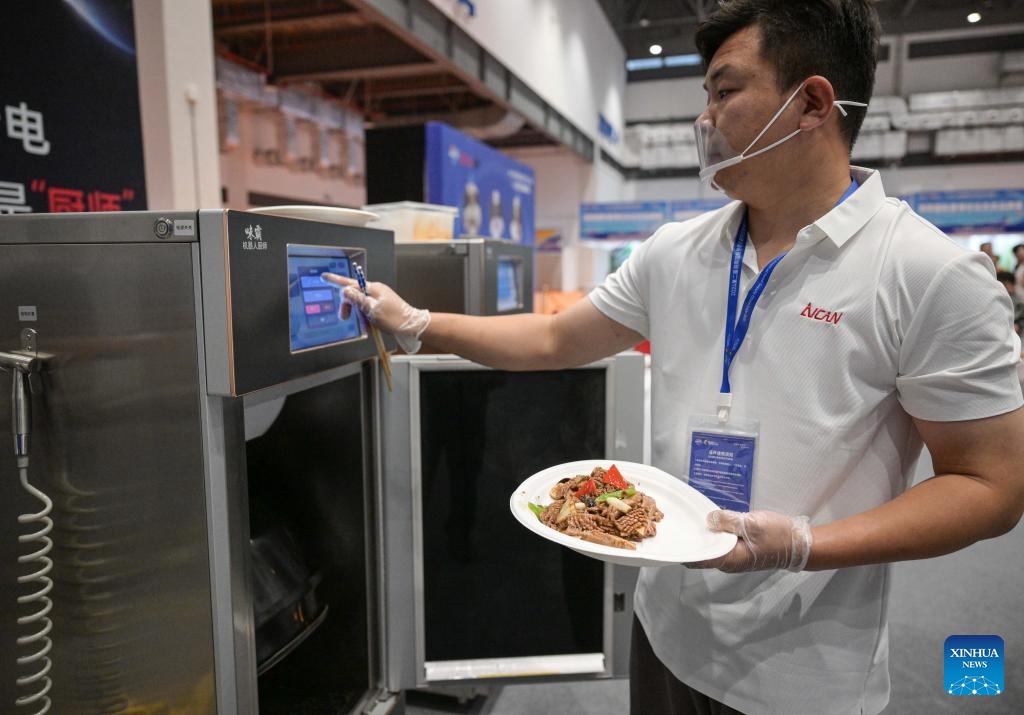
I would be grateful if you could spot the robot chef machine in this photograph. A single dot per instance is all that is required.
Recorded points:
(189, 519)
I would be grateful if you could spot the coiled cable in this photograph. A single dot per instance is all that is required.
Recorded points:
(39, 601)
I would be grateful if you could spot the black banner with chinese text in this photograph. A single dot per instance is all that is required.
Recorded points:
(70, 127)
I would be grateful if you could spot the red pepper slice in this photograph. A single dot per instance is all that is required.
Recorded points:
(588, 487)
(614, 478)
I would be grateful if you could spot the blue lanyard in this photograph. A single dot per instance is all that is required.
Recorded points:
(736, 330)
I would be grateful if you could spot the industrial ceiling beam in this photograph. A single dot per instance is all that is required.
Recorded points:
(333, 20)
(429, 31)
(412, 69)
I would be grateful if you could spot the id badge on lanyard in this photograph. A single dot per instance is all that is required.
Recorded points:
(723, 456)
(723, 449)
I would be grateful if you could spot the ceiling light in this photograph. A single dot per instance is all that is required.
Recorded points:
(644, 22)
(655, 49)
(646, 63)
(974, 17)
(682, 60)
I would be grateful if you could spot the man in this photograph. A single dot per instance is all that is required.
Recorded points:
(866, 333)
(987, 249)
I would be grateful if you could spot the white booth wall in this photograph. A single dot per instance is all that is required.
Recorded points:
(567, 52)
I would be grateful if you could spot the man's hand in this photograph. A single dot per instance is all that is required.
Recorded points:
(385, 309)
(767, 540)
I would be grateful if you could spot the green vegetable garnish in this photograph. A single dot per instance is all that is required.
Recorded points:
(536, 508)
(618, 494)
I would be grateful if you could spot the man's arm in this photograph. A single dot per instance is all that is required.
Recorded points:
(528, 341)
(977, 493)
(531, 341)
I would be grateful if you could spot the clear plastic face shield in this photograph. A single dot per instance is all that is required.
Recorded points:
(715, 153)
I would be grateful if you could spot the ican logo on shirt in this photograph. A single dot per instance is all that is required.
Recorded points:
(821, 314)
(973, 665)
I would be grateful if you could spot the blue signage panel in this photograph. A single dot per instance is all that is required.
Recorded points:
(977, 211)
(685, 209)
(621, 221)
(494, 194)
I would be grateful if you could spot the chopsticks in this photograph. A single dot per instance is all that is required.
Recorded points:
(378, 339)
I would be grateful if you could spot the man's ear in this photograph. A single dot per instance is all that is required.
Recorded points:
(818, 96)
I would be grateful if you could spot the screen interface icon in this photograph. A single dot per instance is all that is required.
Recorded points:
(509, 286)
(314, 307)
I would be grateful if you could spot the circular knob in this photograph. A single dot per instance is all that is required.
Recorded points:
(163, 228)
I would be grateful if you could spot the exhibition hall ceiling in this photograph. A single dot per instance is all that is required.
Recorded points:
(397, 63)
(342, 48)
(403, 62)
(671, 23)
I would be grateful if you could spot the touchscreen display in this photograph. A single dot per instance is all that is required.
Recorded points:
(314, 307)
(508, 285)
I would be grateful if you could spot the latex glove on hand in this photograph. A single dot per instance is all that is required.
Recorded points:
(767, 540)
(385, 309)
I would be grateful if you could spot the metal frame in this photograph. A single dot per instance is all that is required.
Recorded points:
(404, 571)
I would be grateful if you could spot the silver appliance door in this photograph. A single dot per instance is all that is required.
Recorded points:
(474, 276)
(116, 446)
(471, 596)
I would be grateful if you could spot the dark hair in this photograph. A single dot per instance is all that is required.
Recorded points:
(837, 39)
(1005, 277)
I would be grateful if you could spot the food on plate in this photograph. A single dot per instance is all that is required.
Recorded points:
(600, 507)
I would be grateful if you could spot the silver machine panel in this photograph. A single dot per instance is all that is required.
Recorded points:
(138, 352)
(475, 276)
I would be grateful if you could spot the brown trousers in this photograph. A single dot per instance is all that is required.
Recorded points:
(653, 690)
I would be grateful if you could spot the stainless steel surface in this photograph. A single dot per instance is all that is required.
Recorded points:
(117, 446)
(21, 414)
(24, 367)
(94, 228)
(227, 519)
(461, 276)
(28, 340)
(147, 468)
(21, 361)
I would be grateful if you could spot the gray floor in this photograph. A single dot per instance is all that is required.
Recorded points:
(975, 591)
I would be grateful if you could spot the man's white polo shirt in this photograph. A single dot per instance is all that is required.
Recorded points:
(874, 316)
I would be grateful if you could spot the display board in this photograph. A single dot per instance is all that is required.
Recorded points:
(621, 220)
(973, 211)
(636, 220)
(495, 195)
(70, 128)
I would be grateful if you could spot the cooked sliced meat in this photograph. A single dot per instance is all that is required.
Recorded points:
(600, 537)
(610, 521)
(634, 523)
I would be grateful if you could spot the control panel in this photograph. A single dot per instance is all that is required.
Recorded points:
(268, 315)
(314, 307)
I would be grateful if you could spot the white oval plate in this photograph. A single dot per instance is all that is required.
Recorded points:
(326, 214)
(683, 535)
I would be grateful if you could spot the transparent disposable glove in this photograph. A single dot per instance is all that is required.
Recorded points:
(385, 309)
(767, 540)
